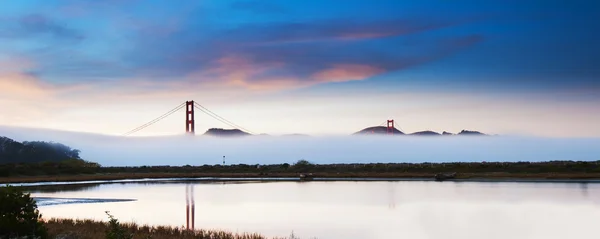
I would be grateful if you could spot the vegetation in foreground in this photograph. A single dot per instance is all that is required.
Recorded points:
(90, 229)
(19, 216)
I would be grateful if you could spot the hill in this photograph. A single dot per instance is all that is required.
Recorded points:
(426, 133)
(377, 130)
(225, 132)
(473, 133)
(382, 130)
(12, 151)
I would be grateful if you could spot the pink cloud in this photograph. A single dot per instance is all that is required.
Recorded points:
(346, 72)
(239, 72)
(14, 84)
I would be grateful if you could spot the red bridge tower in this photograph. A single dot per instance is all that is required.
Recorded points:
(390, 126)
(189, 117)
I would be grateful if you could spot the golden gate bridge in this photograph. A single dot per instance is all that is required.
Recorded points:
(190, 122)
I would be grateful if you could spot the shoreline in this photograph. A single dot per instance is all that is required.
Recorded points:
(292, 177)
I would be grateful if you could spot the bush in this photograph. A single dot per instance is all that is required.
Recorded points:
(302, 162)
(115, 230)
(19, 216)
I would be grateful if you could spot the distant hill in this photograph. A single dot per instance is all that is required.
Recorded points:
(426, 133)
(377, 130)
(225, 132)
(34, 151)
(465, 132)
(474, 133)
(381, 130)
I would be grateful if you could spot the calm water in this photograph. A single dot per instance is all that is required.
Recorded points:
(336, 210)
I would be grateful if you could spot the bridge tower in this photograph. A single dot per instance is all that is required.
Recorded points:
(390, 127)
(189, 118)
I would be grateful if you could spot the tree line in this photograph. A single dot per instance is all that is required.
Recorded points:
(34, 151)
(73, 167)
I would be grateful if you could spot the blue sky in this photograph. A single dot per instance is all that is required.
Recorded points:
(497, 66)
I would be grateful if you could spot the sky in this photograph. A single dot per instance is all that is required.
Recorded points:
(328, 67)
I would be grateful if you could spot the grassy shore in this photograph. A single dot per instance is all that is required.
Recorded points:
(349, 176)
(90, 229)
(558, 170)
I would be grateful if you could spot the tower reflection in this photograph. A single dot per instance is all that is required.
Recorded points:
(189, 206)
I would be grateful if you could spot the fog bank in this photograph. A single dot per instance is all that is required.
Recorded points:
(199, 150)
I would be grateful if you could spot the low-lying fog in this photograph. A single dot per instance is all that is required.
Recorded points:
(199, 150)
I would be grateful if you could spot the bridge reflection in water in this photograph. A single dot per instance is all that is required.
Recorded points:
(189, 206)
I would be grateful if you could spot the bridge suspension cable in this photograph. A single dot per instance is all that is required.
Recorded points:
(170, 112)
(219, 118)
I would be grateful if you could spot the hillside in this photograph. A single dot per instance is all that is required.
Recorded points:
(426, 133)
(382, 130)
(218, 132)
(474, 133)
(377, 130)
(34, 151)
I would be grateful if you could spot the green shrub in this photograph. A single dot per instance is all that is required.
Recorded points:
(19, 216)
(115, 230)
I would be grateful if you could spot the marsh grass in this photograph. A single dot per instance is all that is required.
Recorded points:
(23, 173)
(91, 229)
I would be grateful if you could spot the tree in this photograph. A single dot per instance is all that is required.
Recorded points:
(302, 165)
(19, 216)
(302, 162)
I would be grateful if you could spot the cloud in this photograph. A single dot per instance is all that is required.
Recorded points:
(23, 97)
(37, 25)
(306, 65)
(336, 30)
(284, 62)
(21, 91)
(286, 67)
(303, 48)
(17, 84)
(343, 72)
(269, 55)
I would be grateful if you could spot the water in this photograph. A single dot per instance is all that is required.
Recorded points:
(336, 210)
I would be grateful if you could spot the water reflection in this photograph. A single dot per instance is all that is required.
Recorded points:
(189, 199)
(584, 189)
(55, 188)
(352, 209)
(392, 203)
